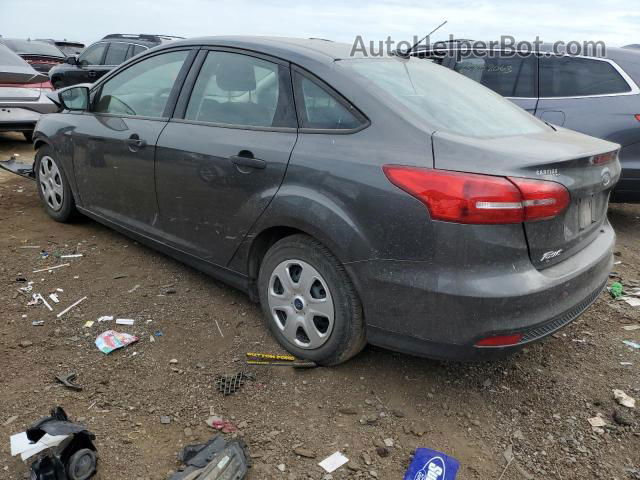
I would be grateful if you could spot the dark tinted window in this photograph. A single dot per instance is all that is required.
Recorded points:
(116, 53)
(138, 49)
(321, 109)
(510, 77)
(142, 89)
(575, 77)
(236, 89)
(93, 54)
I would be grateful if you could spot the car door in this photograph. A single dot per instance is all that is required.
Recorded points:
(115, 141)
(220, 161)
(512, 76)
(88, 64)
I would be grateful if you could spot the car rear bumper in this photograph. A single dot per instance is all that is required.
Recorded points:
(410, 308)
(23, 115)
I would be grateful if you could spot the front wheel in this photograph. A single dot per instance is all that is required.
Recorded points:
(309, 302)
(53, 186)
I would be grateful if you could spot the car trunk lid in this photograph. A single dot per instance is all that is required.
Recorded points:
(562, 156)
(21, 83)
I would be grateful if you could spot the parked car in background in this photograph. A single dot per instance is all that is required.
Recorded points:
(22, 94)
(358, 199)
(593, 95)
(41, 56)
(102, 56)
(67, 47)
(633, 45)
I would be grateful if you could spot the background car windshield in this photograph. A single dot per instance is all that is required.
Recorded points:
(447, 101)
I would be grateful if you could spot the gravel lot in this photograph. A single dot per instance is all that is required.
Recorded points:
(536, 403)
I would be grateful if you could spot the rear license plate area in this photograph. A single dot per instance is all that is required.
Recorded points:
(589, 210)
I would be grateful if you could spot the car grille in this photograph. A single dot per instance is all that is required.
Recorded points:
(561, 320)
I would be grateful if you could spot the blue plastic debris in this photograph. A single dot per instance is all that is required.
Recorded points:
(158, 333)
(430, 464)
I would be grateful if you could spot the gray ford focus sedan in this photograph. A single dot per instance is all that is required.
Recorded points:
(382, 200)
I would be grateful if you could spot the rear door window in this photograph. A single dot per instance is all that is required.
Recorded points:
(116, 53)
(142, 89)
(578, 77)
(241, 90)
(93, 55)
(510, 77)
(322, 109)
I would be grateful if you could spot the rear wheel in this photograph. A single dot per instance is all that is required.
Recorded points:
(309, 302)
(53, 186)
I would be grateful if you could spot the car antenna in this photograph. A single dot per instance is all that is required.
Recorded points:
(407, 53)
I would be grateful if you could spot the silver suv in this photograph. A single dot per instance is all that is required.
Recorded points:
(598, 96)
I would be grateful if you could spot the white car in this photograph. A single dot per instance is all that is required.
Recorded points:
(22, 94)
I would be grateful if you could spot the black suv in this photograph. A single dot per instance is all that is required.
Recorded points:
(102, 56)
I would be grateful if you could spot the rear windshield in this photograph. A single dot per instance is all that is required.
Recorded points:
(446, 100)
(27, 47)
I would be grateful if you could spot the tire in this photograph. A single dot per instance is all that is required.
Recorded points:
(53, 186)
(28, 136)
(81, 465)
(302, 285)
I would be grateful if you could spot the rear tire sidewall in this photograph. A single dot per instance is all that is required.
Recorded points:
(68, 210)
(347, 337)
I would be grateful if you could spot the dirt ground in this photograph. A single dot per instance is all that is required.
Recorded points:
(537, 402)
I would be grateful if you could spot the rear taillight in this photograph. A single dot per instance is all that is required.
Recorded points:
(604, 158)
(500, 340)
(637, 115)
(480, 199)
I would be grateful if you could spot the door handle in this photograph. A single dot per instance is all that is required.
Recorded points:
(248, 160)
(135, 142)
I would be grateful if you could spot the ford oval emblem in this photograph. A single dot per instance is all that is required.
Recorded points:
(434, 469)
(606, 178)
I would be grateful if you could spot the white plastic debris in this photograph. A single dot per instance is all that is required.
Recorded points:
(105, 318)
(135, 287)
(125, 321)
(75, 255)
(631, 328)
(52, 268)
(624, 399)
(21, 445)
(54, 298)
(628, 343)
(597, 421)
(71, 306)
(333, 462)
(633, 301)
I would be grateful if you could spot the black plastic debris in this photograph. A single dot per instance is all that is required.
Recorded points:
(215, 460)
(228, 384)
(68, 381)
(73, 459)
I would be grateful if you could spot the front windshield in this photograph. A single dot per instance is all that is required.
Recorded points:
(444, 99)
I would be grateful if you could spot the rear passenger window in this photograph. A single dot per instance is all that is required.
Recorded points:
(116, 53)
(577, 77)
(138, 49)
(510, 77)
(322, 110)
(240, 90)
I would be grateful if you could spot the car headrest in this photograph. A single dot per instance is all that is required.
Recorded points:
(235, 74)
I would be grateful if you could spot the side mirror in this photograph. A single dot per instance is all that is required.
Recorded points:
(71, 60)
(74, 98)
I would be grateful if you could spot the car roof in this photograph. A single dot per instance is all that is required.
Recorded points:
(614, 53)
(31, 47)
(292, 49)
